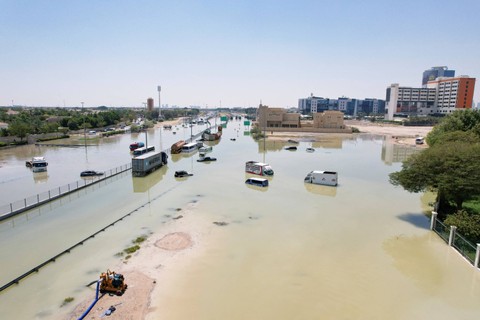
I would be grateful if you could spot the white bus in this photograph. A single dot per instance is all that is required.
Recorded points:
(143, 150)
(189, 147)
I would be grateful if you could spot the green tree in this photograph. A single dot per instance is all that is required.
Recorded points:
(19, 129)
(468, 224)
(462, 120)
(451, 168)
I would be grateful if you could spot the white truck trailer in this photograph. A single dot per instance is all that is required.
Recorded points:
(262, 169)
(326, 178)
(148, 162)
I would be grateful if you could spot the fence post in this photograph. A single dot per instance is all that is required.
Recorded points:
(38, 198)
(452, 235)
(48, 194)
(59, 191)
(11, 207)
(25, 201)
(433, 220)
(477, 256)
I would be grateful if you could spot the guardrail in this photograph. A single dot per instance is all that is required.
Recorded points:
(19, 206)
(450, 235)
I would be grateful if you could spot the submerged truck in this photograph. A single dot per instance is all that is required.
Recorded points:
(148, 162)
(326, 178)
(262, 169)
(177, 147)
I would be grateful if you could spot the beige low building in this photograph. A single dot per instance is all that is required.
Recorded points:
(277, 119)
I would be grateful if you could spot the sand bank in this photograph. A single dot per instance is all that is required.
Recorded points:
(150, 270)
(396, 133)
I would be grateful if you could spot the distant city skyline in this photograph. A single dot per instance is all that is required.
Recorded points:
(216, 53)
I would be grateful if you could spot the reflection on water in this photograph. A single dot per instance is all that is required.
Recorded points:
(40, 177)
(143, 184)
(322, 190)
(393, 152)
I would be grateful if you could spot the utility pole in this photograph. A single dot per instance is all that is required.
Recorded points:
(84, 128)
(159, 88)
(145, 124)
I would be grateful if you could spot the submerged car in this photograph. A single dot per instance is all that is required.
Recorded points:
(182, 173)
(291, 148)
(206, 159)
(91, 173)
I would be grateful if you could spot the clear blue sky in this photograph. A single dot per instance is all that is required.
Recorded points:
(237, 53)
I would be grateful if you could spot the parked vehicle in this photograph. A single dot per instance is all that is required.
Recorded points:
(209, 136)
(262, 169)
(206, 159)
(327, 178)
(136, 145)
(310, 150)
(189, 147)
(91, 173)
(38, 164)
(182, 173)
(148, 162)
(259, 182)
(205, 149)
(419, 140)
(143, 150)
(177, 147)
(291, 148)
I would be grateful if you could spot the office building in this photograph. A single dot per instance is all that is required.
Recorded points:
(441, 96)
(408, 101)
(436, 72)
(453, 93)
(347, 106)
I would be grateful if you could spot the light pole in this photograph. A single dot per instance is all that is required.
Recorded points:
(84, 128)
(145, 124)
(159, 88)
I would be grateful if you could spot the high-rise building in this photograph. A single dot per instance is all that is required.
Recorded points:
(441, 96)
(453, 93)
(409, 100)
(436, 72)
(150, 104)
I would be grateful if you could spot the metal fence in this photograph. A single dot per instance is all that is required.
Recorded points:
(16, 207)
(467, 249)
(442, 230)
(470, 251)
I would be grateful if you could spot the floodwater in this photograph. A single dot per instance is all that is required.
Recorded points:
(361, 250)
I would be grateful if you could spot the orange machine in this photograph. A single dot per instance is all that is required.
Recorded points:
(112, 282)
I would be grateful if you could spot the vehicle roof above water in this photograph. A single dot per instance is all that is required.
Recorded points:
(191, 144)
(258, 163)
(324, 172)
(148, 155)
(257, 179)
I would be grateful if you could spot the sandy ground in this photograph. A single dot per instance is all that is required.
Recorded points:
(396, 133)
(149, 271)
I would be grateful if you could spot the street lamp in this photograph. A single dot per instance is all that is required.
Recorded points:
(84, 128)
(159, 88)
(145, 124)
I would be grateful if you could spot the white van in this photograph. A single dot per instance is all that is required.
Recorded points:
(259, 182)
(327, 178)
